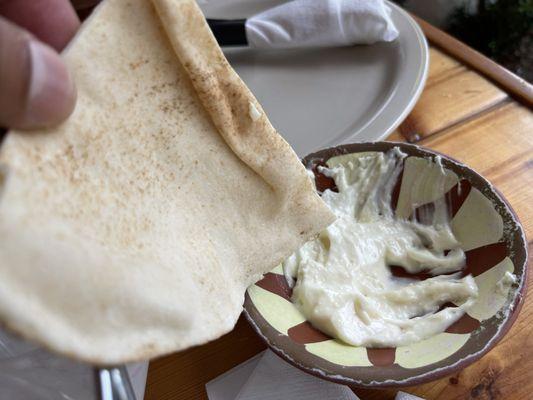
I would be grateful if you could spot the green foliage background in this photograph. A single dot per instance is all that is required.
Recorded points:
(500, 29)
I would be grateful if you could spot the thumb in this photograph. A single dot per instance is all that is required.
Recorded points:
(36, 89)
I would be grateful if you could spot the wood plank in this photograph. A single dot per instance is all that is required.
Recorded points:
(184, 375)
(449, 102)
(441, 66)
(515, 181)
(486, 142)
(499, 145)
(511, 83)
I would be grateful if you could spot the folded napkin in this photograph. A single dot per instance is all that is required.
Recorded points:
(321, 23)
(268, 377)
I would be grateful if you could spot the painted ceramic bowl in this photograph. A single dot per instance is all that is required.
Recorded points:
(494, 243)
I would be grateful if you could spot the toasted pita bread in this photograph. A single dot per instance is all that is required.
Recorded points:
(133, 229)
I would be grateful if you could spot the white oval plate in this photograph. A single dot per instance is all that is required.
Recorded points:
(318, 98)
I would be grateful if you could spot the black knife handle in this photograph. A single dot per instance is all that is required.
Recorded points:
(229, 32)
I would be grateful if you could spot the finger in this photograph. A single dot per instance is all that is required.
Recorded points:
(53, 21)
(35, 87)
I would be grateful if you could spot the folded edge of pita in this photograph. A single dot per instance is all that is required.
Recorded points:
(134, 228)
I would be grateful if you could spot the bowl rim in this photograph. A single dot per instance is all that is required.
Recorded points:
(504, 327)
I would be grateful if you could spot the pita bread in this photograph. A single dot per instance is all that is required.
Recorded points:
(133, 229)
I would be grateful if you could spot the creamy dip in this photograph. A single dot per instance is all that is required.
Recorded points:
(344, 285)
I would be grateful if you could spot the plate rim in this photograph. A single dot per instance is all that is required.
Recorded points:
(397, 99)
(414, 88)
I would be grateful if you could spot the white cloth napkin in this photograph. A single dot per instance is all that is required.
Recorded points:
(321, 23)
(268, 377)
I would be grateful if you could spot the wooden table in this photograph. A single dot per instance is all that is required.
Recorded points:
(467, 112)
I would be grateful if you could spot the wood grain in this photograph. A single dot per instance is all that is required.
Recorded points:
(449, 101)
(442, 66)
(499, 145)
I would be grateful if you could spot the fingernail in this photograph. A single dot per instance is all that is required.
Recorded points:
(51, 92)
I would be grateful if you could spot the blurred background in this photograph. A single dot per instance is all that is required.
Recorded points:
(500, 29)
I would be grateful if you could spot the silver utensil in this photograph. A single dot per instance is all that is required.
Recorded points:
(114, 384)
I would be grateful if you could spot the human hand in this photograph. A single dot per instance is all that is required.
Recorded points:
(36, 89)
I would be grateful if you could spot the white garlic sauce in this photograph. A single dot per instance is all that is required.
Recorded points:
(344, 285)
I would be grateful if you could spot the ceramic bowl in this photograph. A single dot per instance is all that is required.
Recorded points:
(494, 242)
